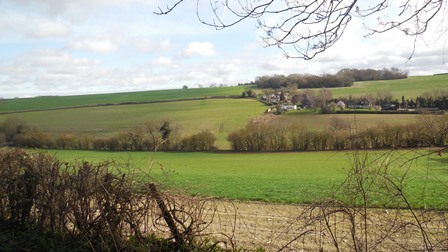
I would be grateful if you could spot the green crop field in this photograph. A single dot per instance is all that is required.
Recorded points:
(273, 177)
(50, 102)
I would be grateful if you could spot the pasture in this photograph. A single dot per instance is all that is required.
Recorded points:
(290, 177)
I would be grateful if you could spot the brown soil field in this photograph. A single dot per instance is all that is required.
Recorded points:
(280, 227)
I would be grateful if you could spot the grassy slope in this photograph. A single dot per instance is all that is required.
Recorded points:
(218, 115)
(410, 88)
(39, 103)
(272, 177)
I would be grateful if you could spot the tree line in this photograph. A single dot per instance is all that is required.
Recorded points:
(340, 135)
(343, 78)
(149, 136)
(373, 74)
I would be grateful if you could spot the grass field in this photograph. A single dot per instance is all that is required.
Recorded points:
(410, 88)
(50, 102)
(221, 116)
(320, 121)
(218, 115)
(273, 177)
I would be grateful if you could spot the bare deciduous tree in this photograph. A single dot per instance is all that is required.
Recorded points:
(305, 28)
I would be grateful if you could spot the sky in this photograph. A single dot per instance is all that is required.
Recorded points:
(71, 47)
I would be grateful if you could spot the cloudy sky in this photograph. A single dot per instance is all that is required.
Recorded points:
(54, 47)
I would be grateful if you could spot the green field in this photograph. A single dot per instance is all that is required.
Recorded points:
(321, 121)
(410, 88)
(221, 116)
(273, 177)
(50, 102)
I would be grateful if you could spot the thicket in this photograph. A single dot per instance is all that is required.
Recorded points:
(149, 136)
(340, 135)
(49, 205)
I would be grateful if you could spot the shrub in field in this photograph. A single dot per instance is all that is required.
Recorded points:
(202, 141)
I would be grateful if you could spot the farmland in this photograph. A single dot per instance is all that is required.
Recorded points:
(260, 194)
(274, 177)
(410, 88)
(51, 102)
(218, 115)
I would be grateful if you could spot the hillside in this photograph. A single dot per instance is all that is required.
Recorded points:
(54, 102)
(410, 88)
(87, 115)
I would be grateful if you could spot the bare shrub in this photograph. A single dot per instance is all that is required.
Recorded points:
(105, 204)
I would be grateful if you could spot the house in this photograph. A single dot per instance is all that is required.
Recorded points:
(289, 107)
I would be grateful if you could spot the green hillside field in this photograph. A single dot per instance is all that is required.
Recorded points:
(290, 177)
(51, 102)
(410, 88)
(221, 116)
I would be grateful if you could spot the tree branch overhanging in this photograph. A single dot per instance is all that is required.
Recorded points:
(305, 28)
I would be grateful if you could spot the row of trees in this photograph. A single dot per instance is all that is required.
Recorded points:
(435, 98)
(373, 74)
(304, 81)
(340, 135)
(343, 78)
(150, 136)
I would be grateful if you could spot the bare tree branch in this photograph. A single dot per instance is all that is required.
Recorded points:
(305, 28)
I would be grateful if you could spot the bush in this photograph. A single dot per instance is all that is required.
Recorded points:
(46, 205)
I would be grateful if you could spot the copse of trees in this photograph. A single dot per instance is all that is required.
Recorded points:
(373, 74)
(343, 78)
(303, 81)
(340, 135)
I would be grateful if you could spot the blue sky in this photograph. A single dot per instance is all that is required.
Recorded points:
(54, 47)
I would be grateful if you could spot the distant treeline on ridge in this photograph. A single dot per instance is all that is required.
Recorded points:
(343, 78)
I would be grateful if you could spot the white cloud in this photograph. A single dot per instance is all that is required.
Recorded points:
(48, 29)
(151, 46)
(199, 49)
(143, 79)
(164, 61)
(95, 45)
(88, 46)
